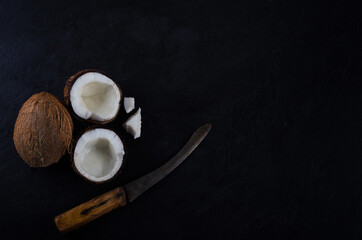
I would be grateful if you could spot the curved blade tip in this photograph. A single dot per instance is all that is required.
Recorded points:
(207, 126)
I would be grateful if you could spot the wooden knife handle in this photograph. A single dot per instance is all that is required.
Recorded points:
(88, 211)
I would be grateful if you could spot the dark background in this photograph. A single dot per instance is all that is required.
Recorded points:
(280, 81)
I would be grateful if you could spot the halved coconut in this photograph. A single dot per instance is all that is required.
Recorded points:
(98, 155)
(93, 96)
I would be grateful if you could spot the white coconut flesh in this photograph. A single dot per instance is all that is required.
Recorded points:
(96, 97)
(128, 103)
(98, 155)
(133, 124)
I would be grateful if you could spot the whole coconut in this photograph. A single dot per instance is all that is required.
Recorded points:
(43, 130)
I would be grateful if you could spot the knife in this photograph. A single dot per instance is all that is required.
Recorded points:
(98, 206)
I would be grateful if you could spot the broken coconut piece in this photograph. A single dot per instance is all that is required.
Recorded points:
(133, 124)
(93, 96)
(98, 155)
(128, 103)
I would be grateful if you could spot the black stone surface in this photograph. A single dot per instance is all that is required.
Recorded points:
(279, 80)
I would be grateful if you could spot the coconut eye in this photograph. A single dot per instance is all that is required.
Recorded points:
(98, 155)
(93, 96)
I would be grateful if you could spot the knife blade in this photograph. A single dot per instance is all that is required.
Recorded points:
(98, 206)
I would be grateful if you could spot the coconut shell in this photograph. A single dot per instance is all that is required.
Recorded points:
(43, 130)
(119, 170)
(68, 87)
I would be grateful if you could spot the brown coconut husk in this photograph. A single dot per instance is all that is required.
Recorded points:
(43, 130)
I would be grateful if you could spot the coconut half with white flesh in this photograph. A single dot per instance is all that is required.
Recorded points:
(98, 155)
(133, 124)
(93, 96)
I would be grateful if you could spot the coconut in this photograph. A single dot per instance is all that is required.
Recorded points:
(43, 130)
(133, 124)
(98, 155)
(128, 103)
(93, 96)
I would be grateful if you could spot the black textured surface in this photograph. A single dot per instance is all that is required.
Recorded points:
(279, 81)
